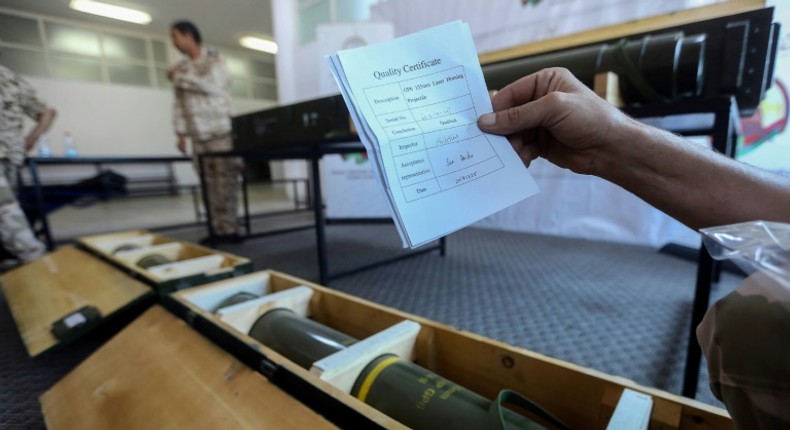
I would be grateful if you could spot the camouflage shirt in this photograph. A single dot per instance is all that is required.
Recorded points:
(17, 99)
(202, 96)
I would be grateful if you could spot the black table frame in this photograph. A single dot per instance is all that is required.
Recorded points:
(33, 164)
(311, 152)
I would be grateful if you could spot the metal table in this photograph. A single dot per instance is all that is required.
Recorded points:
(724, 129)
(312, 152)
(33, 164)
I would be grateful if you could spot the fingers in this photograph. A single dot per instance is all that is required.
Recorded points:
(521, 117)
(535, 86)
(517, 93)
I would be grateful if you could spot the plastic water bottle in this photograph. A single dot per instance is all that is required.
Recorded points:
(43, 146)
(69, 147)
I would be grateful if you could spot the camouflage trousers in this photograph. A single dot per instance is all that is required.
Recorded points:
(15, 233)
(221, 179)
(746, 340)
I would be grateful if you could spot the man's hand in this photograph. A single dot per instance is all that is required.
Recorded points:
(30, 142)
(171, 72)
(552, 115)
(182, 144)
(43, 122)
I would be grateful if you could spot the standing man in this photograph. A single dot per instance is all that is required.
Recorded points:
(202, 114)
(17, 99)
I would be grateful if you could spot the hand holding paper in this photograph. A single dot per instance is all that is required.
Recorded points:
(415, 101)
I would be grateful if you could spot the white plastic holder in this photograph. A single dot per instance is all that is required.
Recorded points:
(632, 411)
(243, 315)
(208, 298)
(209, 264)
(169, 250)
(110, 245)
(342, 368)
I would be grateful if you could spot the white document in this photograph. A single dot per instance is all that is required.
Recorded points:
(415, 101)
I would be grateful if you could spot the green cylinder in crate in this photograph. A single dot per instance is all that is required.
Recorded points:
(421, 399)
(152, 260)
(235, 299)
(297, 338)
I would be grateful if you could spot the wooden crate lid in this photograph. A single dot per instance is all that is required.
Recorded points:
(44, 291)
(159, 373)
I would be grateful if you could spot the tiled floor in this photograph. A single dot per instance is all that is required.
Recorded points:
(152, 212)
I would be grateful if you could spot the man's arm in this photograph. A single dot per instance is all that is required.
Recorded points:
(694, 184)
(553, 115)
(180, 121)
(43, 122)
(36, 110)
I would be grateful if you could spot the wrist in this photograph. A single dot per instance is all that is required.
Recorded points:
(623, 149)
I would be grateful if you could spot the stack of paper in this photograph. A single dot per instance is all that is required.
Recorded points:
(415, 101)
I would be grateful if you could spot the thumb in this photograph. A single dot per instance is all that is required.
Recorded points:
(517, 118)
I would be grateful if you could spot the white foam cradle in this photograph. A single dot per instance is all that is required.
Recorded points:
(342, 368)
(209, 298)
(632, 411)
(111, 245)
(243, 315)
(194, 266)
(169, 250)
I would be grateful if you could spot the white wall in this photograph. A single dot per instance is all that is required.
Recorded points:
(116, 120)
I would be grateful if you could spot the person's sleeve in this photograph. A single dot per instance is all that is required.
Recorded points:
(215, 81)
(29, 101)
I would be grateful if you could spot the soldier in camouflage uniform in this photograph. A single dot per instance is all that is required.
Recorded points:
(202, 114)
(17, 99)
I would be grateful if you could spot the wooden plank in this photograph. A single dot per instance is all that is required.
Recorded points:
(621, 30)
(158, 373)
(607, 86)
(41, 292)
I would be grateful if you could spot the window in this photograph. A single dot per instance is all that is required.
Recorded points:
(24, 61)
(18, 30)
(50, 47)
(77, 68)
(73, 40)
(310, 15)
(129, 74)
(117, 46)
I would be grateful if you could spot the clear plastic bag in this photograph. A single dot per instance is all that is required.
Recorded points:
(744, 335)
(754, 246)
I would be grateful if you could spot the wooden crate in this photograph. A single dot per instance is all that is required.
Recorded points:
(160, 374)
(582, 398)
(194, 264)
(56, 286)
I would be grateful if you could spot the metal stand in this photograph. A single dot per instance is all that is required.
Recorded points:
(724, 131)
(313, 154)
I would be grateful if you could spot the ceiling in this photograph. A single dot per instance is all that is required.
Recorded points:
(221, 23)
